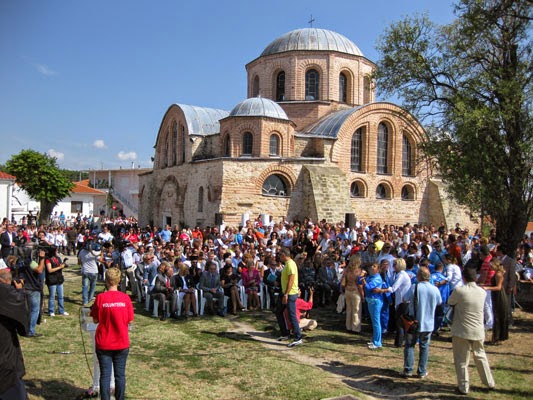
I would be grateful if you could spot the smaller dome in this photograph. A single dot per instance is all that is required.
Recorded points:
(258, 107)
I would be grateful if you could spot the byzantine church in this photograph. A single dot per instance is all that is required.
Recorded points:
(308, 141)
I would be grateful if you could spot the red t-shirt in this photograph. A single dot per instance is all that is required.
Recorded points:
(114, 311)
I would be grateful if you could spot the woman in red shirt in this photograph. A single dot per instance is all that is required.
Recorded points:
(112, 311)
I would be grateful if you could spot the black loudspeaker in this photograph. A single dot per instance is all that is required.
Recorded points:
(218, 218)
(350, 220)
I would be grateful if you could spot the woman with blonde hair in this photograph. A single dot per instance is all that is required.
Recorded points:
(351, 286)
(500, 306)
(112, 311)
(184, 284)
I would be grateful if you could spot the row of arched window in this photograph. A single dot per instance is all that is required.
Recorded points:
(383, 191)
(247, 145)
(383, 152)
(174, 140)
(312, 87)
(276, 185)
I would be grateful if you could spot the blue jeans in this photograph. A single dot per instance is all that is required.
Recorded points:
(88, 283)
(51, 299)
(291, 309)
(424, 339)
(115, 359)
(35, 309)
(374, 309)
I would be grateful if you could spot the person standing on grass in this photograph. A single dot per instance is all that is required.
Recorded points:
(54, 280)
(287, 300)
(468, 331)
(428, 298)
(112, 311)
(372, 285)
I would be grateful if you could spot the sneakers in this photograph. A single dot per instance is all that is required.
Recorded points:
(295, 343)
(372, 346)
(66, 314)
(422, 376)
(282, 338)
(404, 374)
(51, 314)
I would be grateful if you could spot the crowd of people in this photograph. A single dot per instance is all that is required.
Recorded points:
(380, 273)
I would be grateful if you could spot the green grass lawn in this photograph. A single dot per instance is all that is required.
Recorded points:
(213, 358)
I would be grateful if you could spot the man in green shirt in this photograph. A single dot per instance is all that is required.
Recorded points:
(288, 297)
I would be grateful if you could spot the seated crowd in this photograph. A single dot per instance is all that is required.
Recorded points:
(186, 272)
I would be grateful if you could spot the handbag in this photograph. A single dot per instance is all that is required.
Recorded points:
(448, 316)
(341, 301)
(410, 323)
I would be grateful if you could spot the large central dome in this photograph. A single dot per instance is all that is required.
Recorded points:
(312, 39)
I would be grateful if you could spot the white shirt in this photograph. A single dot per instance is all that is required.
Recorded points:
(400, 287)
(454, 276)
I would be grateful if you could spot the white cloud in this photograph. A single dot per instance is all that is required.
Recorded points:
(56, 154)
(99, 144)
(130, 156)
(44, 69)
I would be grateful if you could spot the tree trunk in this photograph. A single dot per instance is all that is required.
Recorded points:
(510, 231)
(46, 212)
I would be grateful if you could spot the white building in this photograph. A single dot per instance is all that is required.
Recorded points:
(6, 191)
(83, 199)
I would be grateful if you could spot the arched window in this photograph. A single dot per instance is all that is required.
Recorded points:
(280, 86)
(255, 88)
(408, 193)
(166, 152)
(366, 90)
(182, 158)
(274, 145)
(275, 185)
(357, 151)
(343, 89)
(356, 189)
(227, 146)
(174, 143)
(201, 199)
(312, 80)
(247, 144)
(383, 149)
(382, 192)
(407, 157)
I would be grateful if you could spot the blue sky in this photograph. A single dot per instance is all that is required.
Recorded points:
(90, 81)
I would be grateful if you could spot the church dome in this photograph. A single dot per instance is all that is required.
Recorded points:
(258, 107)
(312, 39)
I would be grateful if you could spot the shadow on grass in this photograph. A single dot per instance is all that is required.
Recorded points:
(53, 389)
(386, 383)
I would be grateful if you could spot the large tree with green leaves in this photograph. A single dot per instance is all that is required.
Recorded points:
(471, 83)
(38, 174)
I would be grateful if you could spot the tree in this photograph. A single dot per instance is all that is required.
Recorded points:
(472, 80)
(38, 174)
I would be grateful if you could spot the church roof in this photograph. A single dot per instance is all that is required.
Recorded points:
(312, 39)
(258, 107)
(202, 121)
(330, 125)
